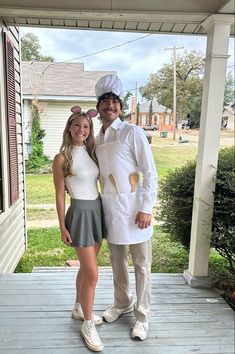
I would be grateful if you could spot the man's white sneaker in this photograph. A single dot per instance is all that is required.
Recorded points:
(91, 337)
(78, 314)
(112, 313)
(140, 330)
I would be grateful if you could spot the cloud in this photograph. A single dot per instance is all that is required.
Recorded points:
(134, 62)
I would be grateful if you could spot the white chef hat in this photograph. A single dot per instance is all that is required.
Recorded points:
(109, 83)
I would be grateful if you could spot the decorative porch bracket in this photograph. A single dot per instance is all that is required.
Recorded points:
(218, 32)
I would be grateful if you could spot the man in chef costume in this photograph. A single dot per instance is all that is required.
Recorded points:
(128, 181)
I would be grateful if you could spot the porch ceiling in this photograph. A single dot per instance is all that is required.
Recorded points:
(151, 16)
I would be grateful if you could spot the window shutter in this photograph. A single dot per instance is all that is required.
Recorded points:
(11, 118)
(1, 195)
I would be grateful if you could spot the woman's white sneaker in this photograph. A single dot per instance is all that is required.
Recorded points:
(78, 314)
(91, 337)
(140, 330)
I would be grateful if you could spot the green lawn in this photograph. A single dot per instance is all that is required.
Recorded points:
(46, 249)
(40, 188)
(170, 157)
(168, 154)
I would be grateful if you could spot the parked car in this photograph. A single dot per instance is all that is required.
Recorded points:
(186, 124)
(150, 127)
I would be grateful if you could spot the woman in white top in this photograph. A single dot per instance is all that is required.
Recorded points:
(75, 169)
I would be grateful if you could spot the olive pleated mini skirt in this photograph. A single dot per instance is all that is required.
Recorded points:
(85, 222)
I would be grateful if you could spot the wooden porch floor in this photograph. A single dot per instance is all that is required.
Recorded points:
(35, 316)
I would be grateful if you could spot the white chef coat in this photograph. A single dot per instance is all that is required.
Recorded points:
(121, 150)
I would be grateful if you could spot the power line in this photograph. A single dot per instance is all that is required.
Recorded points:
(99, 51)
(106, 49)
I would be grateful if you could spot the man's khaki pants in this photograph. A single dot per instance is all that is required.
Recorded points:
(141, 255)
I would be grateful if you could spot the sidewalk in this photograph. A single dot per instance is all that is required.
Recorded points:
(31, 224)
(42, 223)
(41, 206)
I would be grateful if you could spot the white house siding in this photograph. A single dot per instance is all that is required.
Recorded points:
(12, 219)
(54, 116)
(228, 117)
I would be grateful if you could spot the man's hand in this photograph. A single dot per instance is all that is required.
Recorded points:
(143, 220)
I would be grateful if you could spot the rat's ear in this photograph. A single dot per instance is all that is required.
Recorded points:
(92, 113)
(76, 109)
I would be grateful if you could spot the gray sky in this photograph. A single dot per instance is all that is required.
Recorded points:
(134, 61)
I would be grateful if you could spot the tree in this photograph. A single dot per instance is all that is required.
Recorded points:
(150, 112)
(229, 90)
(37, 159)
(138, 114)
(30, 49)
(125, 104)
(189, 77)
(125, 101)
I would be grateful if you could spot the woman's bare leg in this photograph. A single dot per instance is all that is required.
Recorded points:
(87, 278)
(80, 275)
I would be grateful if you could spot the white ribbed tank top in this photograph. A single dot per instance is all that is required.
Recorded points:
(83, 183)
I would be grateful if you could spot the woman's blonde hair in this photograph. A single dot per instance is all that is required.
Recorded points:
(67, 143)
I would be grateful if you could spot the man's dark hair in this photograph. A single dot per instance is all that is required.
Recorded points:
(108, 95)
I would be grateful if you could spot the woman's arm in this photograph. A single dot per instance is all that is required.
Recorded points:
(59, 183)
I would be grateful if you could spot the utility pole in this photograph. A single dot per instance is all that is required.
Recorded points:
(174, 87)
(136, 102)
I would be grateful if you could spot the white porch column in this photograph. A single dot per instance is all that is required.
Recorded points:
(218, 31)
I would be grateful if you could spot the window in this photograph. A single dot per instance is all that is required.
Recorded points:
(143, 119)
(167, 119)
(156, 119)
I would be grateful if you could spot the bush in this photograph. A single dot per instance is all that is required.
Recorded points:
(176, 197)
(223, 222)
(222, 279)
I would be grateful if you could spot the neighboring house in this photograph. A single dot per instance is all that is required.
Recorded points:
(228, 117)
(13, 237)
(55, 88)
(161, 116)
